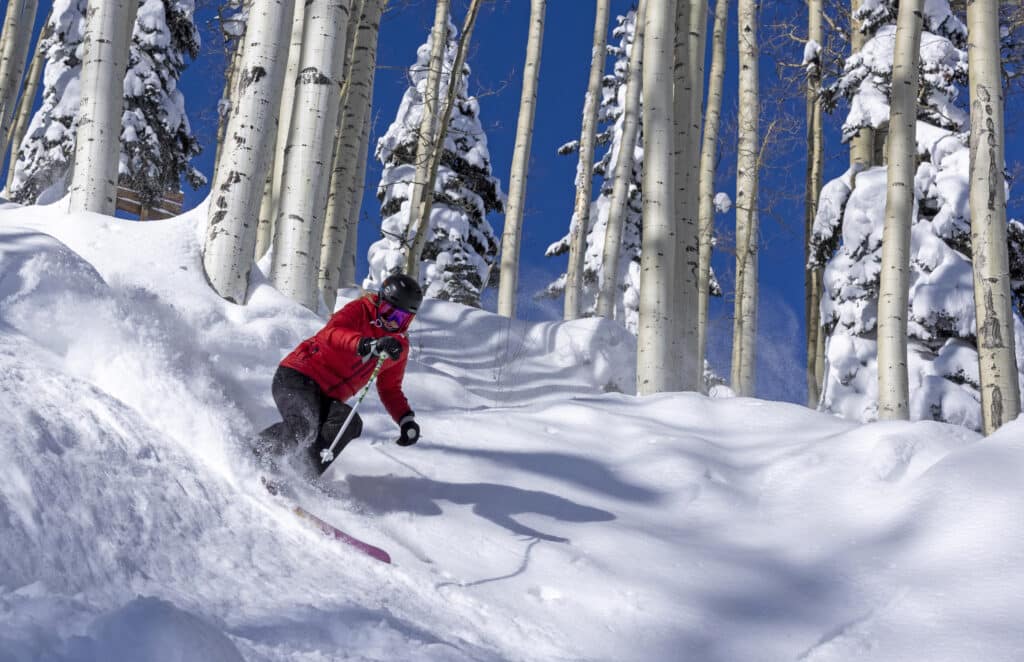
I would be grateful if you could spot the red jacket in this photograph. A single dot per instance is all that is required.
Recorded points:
(330, 358)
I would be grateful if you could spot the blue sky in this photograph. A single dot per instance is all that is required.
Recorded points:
(497, 61)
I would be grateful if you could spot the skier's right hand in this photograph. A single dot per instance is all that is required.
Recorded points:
(386, 346)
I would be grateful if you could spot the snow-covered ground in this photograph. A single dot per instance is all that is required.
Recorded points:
(544, 516)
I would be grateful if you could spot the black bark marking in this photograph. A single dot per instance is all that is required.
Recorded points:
(996, 408)
(990, 336)
(252, 76)
(313, 76)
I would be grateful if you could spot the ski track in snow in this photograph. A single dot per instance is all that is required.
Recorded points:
(540, 518)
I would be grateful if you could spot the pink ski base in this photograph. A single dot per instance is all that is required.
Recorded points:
(338, 534)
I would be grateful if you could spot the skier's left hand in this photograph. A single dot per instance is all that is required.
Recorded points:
(410, 433)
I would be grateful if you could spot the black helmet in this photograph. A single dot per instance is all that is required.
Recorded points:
(402, 291)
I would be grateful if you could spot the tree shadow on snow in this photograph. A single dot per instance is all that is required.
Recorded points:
(496, 503)
(575, 469)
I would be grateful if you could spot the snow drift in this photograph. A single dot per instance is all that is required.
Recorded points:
(546, 515)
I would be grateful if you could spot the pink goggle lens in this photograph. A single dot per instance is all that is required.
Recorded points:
(393, 318)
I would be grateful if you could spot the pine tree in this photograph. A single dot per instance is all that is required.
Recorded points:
(44, 157)
(461, 249)
(611, 120)
(157, 144)
(943, 359)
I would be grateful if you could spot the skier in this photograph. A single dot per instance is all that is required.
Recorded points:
(312, 383)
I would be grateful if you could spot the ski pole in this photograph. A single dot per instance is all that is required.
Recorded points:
(327, 454)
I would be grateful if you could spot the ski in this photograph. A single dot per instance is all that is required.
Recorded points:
(327, 529)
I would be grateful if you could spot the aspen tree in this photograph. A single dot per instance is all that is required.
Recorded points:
(609, 278)
(815, 162)
(347, 271)
(747, 163)
(708, 153)
(298, 228)
(425, 137)
(108, 27)
(512, 233)
(279, 135)
(240, 179)
(691, 21)
(862, 145)
(14, 45)
(584, 167)
(229, 26)
(23, 114)
(1000, 390)
(437, 147)
(346, 137)
(654, 373)
(349, 151)
(894, 286)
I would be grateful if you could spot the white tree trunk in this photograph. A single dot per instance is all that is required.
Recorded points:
(425, 139)
(513, 230)
(654, 372)
(14, 43)
(747, 163)
(815, 156)
(348, 260)
(240, 179)
(232, 75)
(691, 22)
(23, 114)
(708, 153)
(440, 137)
(862, 145)
(270, 204)
(349, 150)
(307, 158)
(894, 288)
(608, 283)
(1000, 390)
(585, 166)
(108, 27)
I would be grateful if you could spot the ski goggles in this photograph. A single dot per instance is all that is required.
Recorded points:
(391, 317)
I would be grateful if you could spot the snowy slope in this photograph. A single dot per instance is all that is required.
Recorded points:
(544, 516)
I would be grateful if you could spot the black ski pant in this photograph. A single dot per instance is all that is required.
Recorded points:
(310, 422)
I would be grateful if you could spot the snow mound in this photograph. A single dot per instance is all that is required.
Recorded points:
(543, 516)
(461, 354)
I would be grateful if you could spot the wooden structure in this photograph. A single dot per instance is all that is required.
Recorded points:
(169, 205)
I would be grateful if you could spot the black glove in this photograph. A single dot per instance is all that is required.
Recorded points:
(410, 431)
(390, 347)
(387, 346)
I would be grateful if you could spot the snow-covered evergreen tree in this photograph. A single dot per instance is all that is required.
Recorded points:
(610, 120)
(462, 247)
(157, 144)
(45, 154)
(156, 141)
(943, 360)
(867, 75)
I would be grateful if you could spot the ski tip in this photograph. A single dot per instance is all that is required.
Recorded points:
(334, 532)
